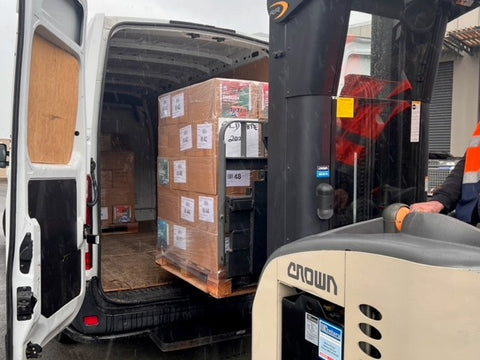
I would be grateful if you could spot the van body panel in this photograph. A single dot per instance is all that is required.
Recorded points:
(46, 199)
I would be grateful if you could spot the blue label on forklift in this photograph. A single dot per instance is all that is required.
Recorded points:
(330, 341)
(323, 172)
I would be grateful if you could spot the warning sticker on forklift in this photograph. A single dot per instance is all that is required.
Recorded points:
(311, 328)
(330, 341)
(415, 122)
(345, 107)
(323, 172)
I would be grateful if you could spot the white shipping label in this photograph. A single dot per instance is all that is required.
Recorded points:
(186, 138)
(180, 237)
(164, 105)
(206, 209)
(180, 171)
(238, 178)
(187, 209)
(204, 136)
(415, 122)
(311, 328)
(178, 106)
(233, 138)
(104, 213)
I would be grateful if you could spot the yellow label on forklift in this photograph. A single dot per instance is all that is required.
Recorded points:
(345, 107)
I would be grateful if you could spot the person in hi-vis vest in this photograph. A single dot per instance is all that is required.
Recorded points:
(461, 189)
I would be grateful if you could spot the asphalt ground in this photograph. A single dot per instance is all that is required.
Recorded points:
(118, 349)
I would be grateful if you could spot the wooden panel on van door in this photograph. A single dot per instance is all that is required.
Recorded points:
(53, 103)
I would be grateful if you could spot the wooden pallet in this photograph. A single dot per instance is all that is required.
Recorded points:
(120, 228)
(213, 284)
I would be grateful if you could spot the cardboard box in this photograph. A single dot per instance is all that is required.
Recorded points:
(168, 140)
(201, 175)
(194, 248)
(118, 160)
(106, 142)
(118, 182)
(122, 214)
(119, 195)
(256, 71)
(123, 179)
(202, 139)
(106, 179)
(199, 211)
(168, 207)
(194, 174)
(209, 99)
(112, 142)
(188, 208)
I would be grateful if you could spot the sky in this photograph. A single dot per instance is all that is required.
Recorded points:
(245, 16)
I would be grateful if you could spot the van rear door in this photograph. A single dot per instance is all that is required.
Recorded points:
(46, 199)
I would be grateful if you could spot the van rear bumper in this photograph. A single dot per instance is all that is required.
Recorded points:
(193, 314)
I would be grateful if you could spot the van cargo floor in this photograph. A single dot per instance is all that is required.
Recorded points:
(128, 262)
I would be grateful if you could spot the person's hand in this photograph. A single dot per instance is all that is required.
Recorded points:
(427, 207)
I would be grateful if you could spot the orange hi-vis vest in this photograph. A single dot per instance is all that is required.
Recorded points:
(469, 201)
(371, 114)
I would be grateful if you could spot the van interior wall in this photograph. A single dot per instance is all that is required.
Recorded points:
(128, 259)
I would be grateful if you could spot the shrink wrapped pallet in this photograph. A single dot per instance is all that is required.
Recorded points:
(190, 120)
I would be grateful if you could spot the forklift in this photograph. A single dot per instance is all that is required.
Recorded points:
(348, 148)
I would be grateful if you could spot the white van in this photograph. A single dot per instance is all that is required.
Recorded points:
(80, 93)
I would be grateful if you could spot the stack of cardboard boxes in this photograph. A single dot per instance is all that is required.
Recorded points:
(118, 185)
(188, 164)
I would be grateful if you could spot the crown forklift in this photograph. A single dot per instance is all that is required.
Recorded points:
(366, 280)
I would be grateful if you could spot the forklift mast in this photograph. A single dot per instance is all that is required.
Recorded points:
(349, 128)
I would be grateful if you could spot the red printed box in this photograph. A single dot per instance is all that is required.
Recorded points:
(122, 214)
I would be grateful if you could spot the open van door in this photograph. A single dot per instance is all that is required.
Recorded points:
(46, 199)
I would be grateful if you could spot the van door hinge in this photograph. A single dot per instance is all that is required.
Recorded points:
(93, 167)
(25, 303)
(26, 253)
(87, 235)
(33, 351)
